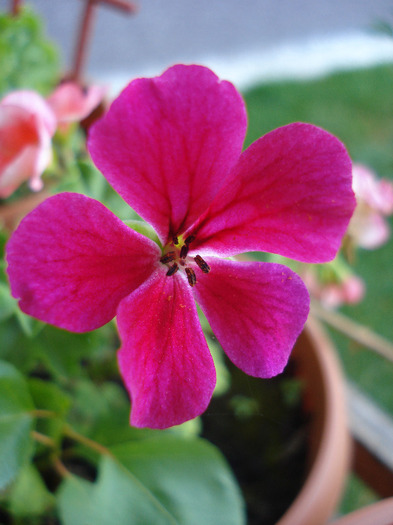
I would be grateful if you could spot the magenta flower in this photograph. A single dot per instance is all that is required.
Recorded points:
(172, 148)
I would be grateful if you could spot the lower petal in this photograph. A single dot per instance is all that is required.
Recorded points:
(256, 310)
(71, 261)
(164, 359)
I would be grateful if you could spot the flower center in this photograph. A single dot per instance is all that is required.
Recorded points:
(175, 257)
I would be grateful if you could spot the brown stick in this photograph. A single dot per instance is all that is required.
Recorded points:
(86, 29)
(357, 332)
(16, 6)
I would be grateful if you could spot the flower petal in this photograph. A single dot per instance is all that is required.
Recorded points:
(71, 102)
(289, 194)
(34, 104)
(175, 137)
(256, 310)
(25, 148)
(164, 358)
(71, 261)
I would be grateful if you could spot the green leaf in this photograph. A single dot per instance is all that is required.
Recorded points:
(7, 302)
(48, 396)
(145, 229)
(28, 60)
(163, 480)
(29, 495)
(15, 423)
(189, 477)
(116, 497)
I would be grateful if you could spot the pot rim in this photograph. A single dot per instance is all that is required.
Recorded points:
(325, 397)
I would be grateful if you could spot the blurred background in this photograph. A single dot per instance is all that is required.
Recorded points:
(245, 41)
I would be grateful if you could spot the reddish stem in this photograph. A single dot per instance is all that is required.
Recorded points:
(16, 5)
(86, 28)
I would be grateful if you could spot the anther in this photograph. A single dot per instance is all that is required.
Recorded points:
(168, 257)
(191, 276)
(184, 251)
(202, 264)
(172, 270)
(189, 239)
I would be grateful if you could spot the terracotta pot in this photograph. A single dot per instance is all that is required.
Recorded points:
(329, 456)
(380, 513)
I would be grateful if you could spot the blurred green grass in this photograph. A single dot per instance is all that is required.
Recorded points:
(357, 107)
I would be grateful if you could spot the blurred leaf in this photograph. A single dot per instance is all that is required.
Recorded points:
(162, 481)
(7, 302)
(29, 495)
(15, 422)
(116, 497)
(145, 229)
(48, 396)
(28, 60)
(65, 353)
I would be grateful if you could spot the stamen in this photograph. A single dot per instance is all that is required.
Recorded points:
(168, 257)
(202, 264)
(175, 240)
(184, 251)
(191, 276)
(172, 270)
(189, 239)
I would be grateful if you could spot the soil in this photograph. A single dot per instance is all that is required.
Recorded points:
(261, 428)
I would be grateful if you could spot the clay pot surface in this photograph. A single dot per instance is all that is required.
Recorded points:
(330, 443)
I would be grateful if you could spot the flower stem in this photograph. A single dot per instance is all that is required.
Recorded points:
(72, 434)
(61, 468)
(356, 331)
(44, 414)
(44, 440)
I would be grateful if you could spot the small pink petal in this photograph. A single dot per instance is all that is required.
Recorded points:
(164, 358)
(376, 193)
(25, 148)
(369, 228)
(71, 261)
(71, 102)
(167, 144)
(289, 194)
(34, 104)
(256, 310)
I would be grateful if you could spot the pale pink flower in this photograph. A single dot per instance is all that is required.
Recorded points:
(368, 227)
(27, 125)
(335, 293)
(72, 103)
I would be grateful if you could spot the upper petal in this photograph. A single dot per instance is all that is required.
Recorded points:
(289, 194)
(256, 310)
(71, 261)
(167, 143)
(164, 358)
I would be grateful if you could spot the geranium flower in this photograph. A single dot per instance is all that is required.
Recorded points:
(368, 227)
(172, 148)
(27, 124)
(72, 103)
(333, 288)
